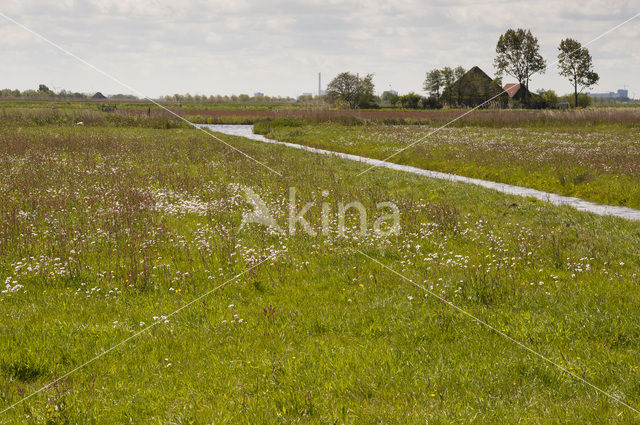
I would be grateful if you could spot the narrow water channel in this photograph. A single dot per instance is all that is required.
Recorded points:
(553, 198)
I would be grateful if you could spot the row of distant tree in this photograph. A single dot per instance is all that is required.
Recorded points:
(45, 92)
(41, 92)
(242, 98)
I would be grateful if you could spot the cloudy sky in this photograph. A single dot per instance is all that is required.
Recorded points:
(279, 46)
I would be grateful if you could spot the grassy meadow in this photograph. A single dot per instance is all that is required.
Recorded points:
(597, 163)
(109, 227)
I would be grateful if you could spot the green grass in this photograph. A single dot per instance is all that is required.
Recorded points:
(107, 228)
(598, 164)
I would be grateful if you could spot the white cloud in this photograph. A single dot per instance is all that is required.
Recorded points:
(162, 46)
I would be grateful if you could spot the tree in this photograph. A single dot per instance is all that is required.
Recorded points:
(410, 100)
(549, 96)
(583, 100)
(575, 63)
(433, 82)
(459, 72)
(443, 79)
(431, 103)
(354, 91)
(390, 97)
(448, 78)
(519, 56)
(366, 96)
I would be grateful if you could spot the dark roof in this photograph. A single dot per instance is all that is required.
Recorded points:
(474, 88)
(476, 71)
(98, 95)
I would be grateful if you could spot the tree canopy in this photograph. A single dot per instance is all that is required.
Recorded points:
(410, 100)
(518, 55)
(352, 90)
(442, 79)
(575, 63)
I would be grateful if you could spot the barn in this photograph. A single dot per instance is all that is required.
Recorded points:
(519, 95)
(475, 88)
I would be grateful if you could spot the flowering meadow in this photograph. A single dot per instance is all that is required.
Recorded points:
(109, 233)
(596, 163)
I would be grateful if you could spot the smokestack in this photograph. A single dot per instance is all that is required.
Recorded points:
(319, 83)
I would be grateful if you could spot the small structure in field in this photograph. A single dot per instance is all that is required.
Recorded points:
(475, 88)
(98, 95)
(519, 96)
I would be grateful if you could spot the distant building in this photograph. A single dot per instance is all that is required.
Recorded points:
(519, 93)
(393, 91)
(513, 89)
(98, 95)
(258, 94)
(307, 94)
(620, 94)
(474, 88)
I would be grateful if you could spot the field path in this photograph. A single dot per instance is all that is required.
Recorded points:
(553, 198)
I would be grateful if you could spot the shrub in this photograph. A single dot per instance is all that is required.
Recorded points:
(431, 102)
(410, 100)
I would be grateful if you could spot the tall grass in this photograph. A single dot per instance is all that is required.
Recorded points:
(480, 118)
(104, 230)
(39, 117)
(136, 115)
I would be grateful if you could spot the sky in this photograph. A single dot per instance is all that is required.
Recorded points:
(278, 47)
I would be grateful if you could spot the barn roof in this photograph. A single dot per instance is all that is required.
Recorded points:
(474, 88)
(511, 89)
